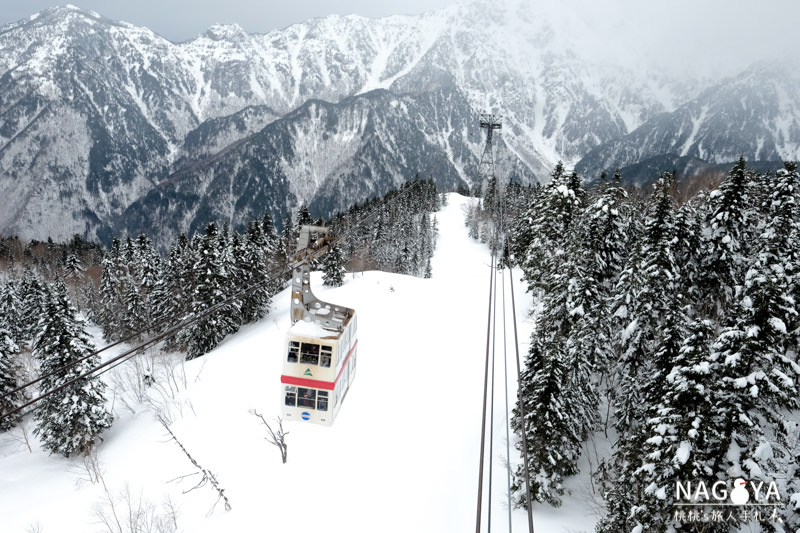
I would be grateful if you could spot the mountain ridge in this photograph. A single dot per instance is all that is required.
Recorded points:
(96, 114)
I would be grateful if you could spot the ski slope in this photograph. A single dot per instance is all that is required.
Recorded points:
(401, 457)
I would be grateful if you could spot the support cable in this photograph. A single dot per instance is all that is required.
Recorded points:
(508, 418)
(491, 405)
(485, 392)
(523, 417)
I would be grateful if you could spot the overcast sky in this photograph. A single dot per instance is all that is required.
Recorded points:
(699, 33)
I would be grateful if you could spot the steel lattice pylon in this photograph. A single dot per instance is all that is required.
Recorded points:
(490, 122)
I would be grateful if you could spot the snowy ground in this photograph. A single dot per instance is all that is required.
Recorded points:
(401, 457)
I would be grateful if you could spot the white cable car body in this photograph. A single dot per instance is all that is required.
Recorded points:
(319, 359)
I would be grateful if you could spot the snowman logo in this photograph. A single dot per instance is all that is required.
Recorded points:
(739, 495)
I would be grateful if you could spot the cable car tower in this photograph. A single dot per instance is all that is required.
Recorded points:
(490, 122)
(486, 174)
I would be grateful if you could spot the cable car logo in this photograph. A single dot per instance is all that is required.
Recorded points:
(305, 415)
(307, 372)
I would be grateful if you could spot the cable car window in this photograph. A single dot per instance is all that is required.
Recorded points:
(322, 400)
(326, 357)
(291, 396)
(309, 353)
(294, 347)
(306, 397)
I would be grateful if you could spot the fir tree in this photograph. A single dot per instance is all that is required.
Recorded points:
(758, 367)
(652, 325)
(113, 283)
(211, 289)
(684, 437)
(72, 418)
(254, 266)
(173, 292)
(10, 373)
(33, 294)
(549, 222)
(729, 214)
(560, 400)
(648, 296)
(11, 312)
(333, 267)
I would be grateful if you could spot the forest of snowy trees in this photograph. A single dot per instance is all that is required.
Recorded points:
(672, 329)
(182, 302)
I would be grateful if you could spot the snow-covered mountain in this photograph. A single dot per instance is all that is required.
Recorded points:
(107, 128)
(755, 114)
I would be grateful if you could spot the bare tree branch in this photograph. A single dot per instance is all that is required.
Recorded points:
(207, 475)
(274, 438)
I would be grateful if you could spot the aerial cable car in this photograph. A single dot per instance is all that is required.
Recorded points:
(320, 356)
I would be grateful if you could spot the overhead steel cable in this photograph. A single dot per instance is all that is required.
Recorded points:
(485, 394)
(491, 406)
(497, 226)
(522, 415)
(184, 320)
(128, 354)
(508, 418)
(66, 367)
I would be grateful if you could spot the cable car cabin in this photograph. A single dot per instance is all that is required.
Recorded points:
(318, 367)
(319, 361)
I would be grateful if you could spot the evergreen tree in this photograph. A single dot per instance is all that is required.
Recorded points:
(684, 437)
(333, 267)
(207, 332)
(604, 232)
(112, 286)
(11, 312)
(10, 373)
(759, 369)
(71, 419)
(173, 292)
(729, 214)
(560, 400)
(648, 295)
(144, 281)
(304, 217)
(33, 294)
(549, 222)
(652, 323)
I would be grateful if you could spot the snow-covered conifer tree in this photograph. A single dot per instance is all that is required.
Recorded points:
(32, 293)
(730, 214)
(683, 437)
(10, 374)
(651, 325)
(549, 225)
(11, 311)
(648, 295)
(72, 418)
(254, 273)
(113, 283)
(333, 267)
(759, 368)
(560, 400)
(210, 289)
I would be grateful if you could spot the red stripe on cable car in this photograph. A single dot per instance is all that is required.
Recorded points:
(310, 383)
(344, 365)
(315, 383)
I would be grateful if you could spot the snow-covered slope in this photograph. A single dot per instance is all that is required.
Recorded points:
(402, 455)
